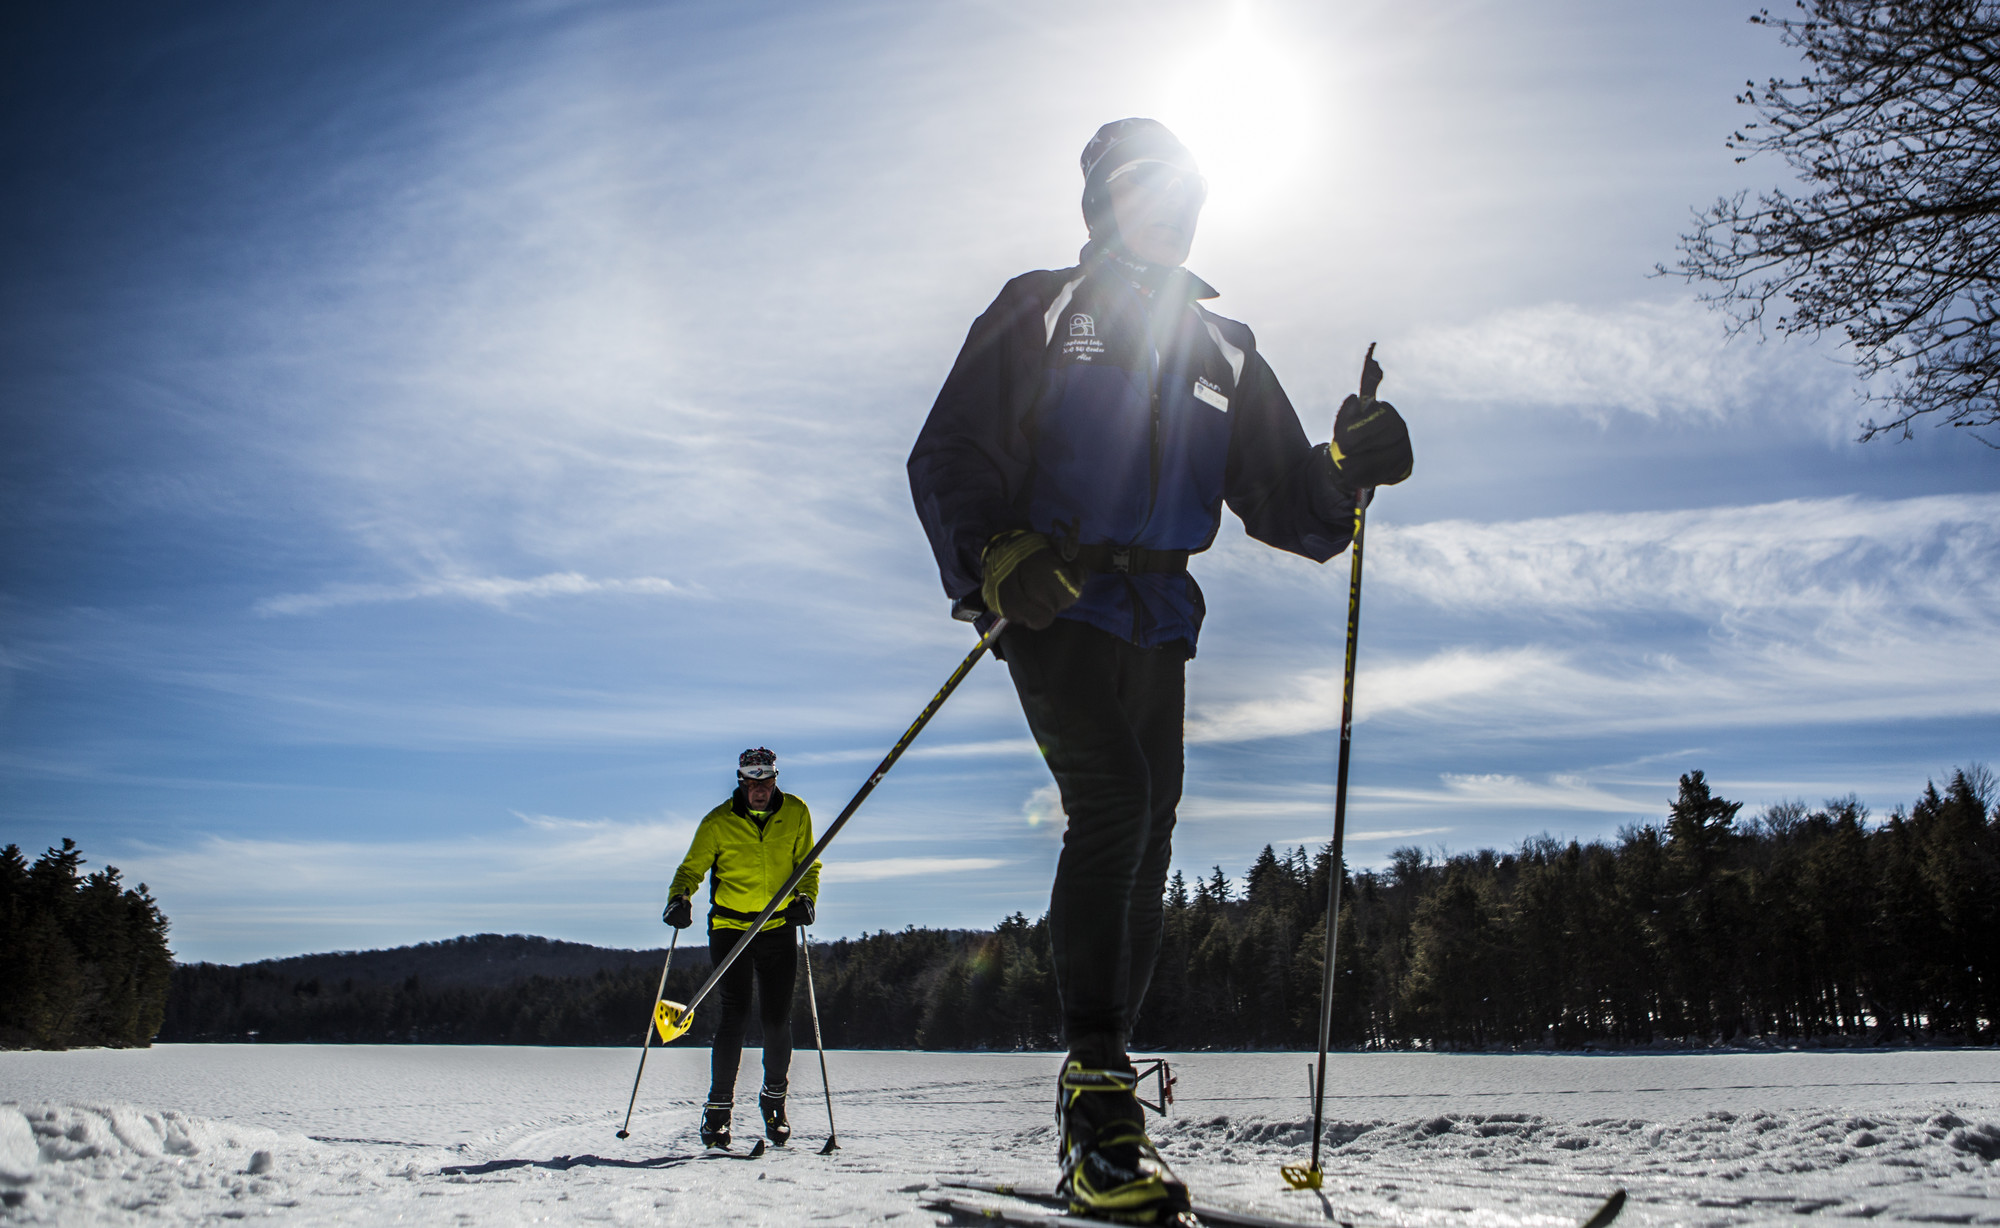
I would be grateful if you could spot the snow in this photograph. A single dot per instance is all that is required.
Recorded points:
(326, 1134)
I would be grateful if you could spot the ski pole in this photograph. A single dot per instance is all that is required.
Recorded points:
(1310, 1177)
(625, 1131)
(812, 1002)
(675, 1015)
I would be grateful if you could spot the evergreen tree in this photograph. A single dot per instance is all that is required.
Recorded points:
(85, 959)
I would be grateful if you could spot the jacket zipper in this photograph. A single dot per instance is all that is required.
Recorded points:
(1154, 450)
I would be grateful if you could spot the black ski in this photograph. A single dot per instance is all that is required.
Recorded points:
(1040, 1217)
(565, 1163)
(1607, 1211)
(1049, 1198)
(1205, 1212)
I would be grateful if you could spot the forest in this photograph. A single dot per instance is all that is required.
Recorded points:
(1797, 927)
(83, 958)
(1802, 925)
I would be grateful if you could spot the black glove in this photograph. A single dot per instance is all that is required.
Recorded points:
(1371, 375)
(1371, 444)
(1025, 582)
(680, 912)
(800, 911)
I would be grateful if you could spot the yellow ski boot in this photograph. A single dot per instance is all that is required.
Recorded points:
(1110, 1169)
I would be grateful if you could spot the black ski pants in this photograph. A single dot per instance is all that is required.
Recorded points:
(1108, 717)
(772, 963)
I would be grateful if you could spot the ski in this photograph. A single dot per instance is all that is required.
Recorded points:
(565, 1163)
(1203, 1212)
(1209, 1213)
(1041, 1217)
(1607, 1211)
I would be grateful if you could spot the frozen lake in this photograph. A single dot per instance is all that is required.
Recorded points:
(359, 1134)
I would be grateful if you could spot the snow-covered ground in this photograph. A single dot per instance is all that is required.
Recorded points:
(330, 1134)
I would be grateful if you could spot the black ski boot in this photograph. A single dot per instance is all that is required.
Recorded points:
(715, 1124)
(1110, 1169)
(772, 1105)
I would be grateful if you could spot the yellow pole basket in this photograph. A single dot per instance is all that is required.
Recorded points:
(1301, 1177)
(672, 1020)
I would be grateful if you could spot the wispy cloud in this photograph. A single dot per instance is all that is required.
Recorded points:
(1507, 791)
(905, 867)
(1311, 701)
(992, 748)
(1395, 833)
(1936, 556)
(495, 591)
(1654, 359)
(1251, 802)
(1800, 611)
(250, 897)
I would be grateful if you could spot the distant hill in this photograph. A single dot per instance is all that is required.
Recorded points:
(476, 989)
(514, 989)
(474, 959)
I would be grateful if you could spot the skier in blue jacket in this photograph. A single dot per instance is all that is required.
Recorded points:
(1095, 422)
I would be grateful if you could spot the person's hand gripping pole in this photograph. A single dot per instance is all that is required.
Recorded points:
(1371, 442)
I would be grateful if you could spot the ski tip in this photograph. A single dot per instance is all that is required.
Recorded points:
(757, 1149)
(1608, 1212)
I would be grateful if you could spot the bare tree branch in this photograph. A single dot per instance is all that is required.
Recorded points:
(1893, 129)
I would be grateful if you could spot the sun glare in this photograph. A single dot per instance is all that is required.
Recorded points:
(1240, 102)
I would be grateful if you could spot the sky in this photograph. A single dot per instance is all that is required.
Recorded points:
(434, 440)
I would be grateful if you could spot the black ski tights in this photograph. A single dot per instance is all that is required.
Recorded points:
(1108, 716)
(772, 961)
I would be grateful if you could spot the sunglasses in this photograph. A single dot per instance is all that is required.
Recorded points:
(1154, 177)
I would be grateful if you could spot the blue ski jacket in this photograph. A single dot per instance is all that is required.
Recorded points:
(1083, 407)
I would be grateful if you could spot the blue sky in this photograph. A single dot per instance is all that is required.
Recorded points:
(434, 440)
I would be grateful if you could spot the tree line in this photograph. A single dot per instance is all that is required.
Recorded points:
(1806, 924)
(83, 958)
(1802, 925)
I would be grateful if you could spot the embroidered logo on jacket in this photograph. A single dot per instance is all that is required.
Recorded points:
(1082, 344)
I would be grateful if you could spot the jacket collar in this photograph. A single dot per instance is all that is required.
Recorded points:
(1098, 256)
(740, 807)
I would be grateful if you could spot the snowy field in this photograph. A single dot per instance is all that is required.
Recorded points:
(362, 1135)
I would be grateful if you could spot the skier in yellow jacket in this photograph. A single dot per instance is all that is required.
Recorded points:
(747, 847)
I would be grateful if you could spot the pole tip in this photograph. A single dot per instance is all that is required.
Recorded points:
(832, 1145)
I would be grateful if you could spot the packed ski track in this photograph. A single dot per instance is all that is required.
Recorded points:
(313, 1134)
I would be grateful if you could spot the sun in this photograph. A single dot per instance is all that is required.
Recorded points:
(1242, 104)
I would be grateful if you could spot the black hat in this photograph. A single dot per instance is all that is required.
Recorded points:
(1118, 144)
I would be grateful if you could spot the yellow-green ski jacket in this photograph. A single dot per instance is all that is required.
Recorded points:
(747, 864)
